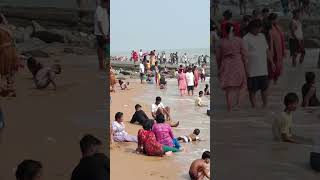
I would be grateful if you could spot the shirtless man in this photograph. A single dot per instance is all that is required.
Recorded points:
(200, 168)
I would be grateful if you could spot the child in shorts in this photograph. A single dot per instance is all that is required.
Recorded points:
(192, 137)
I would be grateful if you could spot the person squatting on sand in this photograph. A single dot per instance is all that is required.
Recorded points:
(198, 100)
(200, 168)
(309, 91)
(46, 76)
(124, 85)
(118, 130)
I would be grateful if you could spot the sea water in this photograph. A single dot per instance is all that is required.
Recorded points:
(183, 109)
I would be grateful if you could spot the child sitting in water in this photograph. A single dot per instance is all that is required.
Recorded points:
(192, 137)
(118, 130)
(200, 168)
(198, 101)
(163, 82)
(206, 90)
(309, 91)
(124, 85)
(46, 76)
(148, 144)
(282, 124)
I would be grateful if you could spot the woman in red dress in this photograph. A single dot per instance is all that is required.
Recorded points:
(277, 49)
(148, 144)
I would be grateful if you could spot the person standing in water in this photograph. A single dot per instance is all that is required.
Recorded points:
(182, 82)
(101, 30)
(231, 61)
(296, 39)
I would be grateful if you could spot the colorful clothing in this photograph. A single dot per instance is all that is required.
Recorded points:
(8, 57)
(148, 141)
(277, 47)
(231, 57)
(236, 28)
(163, 134)
(120, 135)
(182, 81)
(196, 77)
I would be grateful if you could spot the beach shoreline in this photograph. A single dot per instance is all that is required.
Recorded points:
(122, 155)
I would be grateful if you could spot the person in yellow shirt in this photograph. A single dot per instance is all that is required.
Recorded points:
(282, 124)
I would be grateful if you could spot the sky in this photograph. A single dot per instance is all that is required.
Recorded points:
(159, 24)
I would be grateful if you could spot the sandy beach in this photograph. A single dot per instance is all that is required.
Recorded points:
(46, 125)
(243, 139)
(125, 163)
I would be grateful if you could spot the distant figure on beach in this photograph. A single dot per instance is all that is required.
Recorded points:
(244, 25)
(190, 81)
(182, 82)
(285, 6)
(9, 59)
(164, 133)
(142, 71)
(215, 5)
(231, 62)
(157, 73)
(112, 79)
(94, 165)
(243, 6)
(29, 170)
(140, 55)
(200, 168)
(163, 82)
(148, 144)
(282, 124)
(101, 30)
(118, 130)
(139, 116)
(203, 73)
(296, 39)
(135, 57)
(277, 49)
(196, 76)
(257, 48)
(191, 137)
(309, 91)
(124, 85)
(206, 90)
(159, 108)
(198, 100)
(46, 76)
(227, 19)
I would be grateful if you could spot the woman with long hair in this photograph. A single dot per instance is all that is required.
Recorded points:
(231, 61)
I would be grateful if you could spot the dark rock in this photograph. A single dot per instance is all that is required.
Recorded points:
(312, 43)
(36, 53)
(19, 36)
(28, 32)
(68, 50)
(37, 27)
(125, 73)
(48, 37)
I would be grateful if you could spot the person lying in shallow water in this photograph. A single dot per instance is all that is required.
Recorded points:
(192, 137)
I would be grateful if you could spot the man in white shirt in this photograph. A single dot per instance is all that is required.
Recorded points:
(101, 30)
(257, 67)
(142, 70)
(190, 81)
(159, 108)
(140, 55)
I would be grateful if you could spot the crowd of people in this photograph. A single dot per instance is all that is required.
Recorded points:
(250, 56)
(156, 137)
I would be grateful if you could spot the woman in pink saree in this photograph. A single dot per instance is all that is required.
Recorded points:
(182, 82)
(231, 61)
(277, 47)
(196, 76)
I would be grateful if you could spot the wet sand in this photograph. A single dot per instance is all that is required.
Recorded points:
(46, 125)
(243, 139)
(144, 167)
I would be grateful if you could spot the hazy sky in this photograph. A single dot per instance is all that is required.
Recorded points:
(159, 24)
